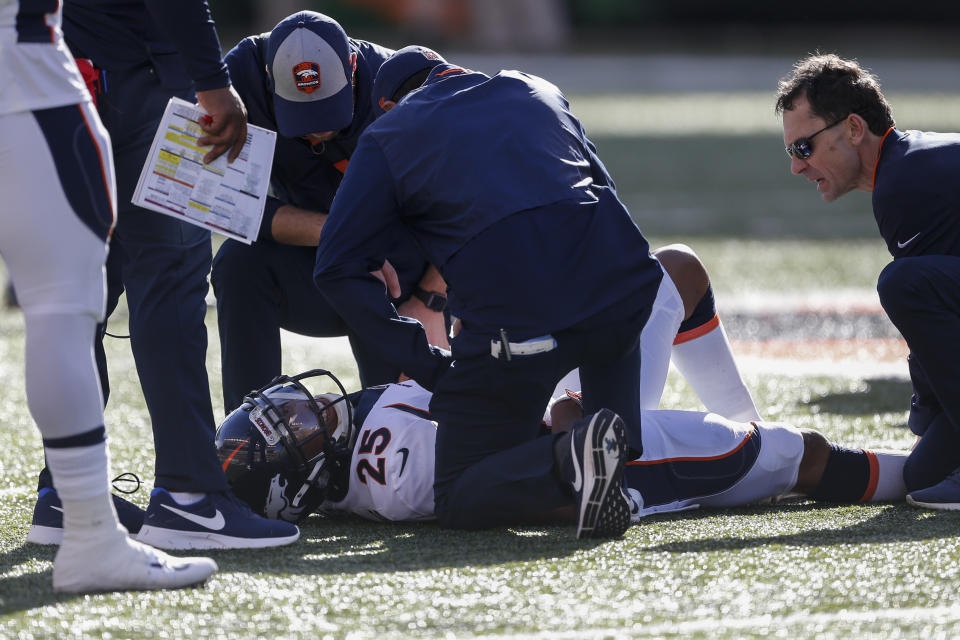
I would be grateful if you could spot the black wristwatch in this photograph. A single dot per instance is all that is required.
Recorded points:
(434, 301)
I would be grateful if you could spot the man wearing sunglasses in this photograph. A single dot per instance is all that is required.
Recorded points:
(840, 134)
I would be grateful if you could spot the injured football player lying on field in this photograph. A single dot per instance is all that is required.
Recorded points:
(290, 451)
(684, 328)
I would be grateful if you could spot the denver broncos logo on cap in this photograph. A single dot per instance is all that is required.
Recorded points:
(306, 75)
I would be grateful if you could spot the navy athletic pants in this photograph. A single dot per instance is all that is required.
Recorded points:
(921, 295)
(491, 467)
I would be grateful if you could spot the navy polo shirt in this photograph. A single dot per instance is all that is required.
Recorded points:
(177, 37)
(916, 193)
(505, 195)
(303, 175)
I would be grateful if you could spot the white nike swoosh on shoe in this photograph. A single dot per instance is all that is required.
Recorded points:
(577, 478)
(214, 522)
(903, 244)
(56, 508)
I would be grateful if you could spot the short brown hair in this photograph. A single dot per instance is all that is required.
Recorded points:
(835, 88)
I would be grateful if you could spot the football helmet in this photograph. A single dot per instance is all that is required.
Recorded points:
(286, 449)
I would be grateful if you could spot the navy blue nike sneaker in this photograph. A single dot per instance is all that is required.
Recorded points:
(216, 521)
(47, 525)
(598, 449)
(943, 496)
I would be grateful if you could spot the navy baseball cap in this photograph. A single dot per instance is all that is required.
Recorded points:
(311, 72)
(399, 67)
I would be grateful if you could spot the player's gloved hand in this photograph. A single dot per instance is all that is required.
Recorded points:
(226, 127)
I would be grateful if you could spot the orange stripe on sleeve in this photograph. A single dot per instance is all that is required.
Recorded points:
(341, 165)
(403, 405)
(874, 476)
(696, 332)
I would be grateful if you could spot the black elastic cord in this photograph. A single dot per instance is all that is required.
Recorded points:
(127, 477)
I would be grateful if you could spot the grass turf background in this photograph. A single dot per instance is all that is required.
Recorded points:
(796, 569)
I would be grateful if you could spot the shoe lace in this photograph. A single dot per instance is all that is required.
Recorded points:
(122, 482)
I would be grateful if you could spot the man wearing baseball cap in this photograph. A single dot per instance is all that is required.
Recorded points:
(403, 72)
(311, 83)
(311, 70)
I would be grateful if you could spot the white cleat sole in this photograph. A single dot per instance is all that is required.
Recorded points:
(44, 535)
(604, 510)
(182, 540)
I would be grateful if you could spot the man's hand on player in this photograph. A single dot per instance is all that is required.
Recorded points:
(433, 321)
(388, 276)
(226, 124)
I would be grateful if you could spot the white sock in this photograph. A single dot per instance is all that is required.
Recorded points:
(79, 473)
(890, 486)
(707, 364)
(91, 522)
(656, 339)
(655, 343)
(186, 497)
(81, 478)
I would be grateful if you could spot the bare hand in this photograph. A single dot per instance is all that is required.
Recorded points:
(226, 126)
(388, 276)
(432, 321)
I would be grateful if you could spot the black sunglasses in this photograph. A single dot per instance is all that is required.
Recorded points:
(801, 149)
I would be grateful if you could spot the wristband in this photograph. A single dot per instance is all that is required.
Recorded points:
(433, 301)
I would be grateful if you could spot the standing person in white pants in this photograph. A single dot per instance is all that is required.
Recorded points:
(57, 177)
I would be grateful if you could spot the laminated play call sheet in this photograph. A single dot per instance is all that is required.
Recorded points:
(222, 197)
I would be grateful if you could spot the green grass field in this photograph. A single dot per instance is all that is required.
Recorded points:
(793, 570)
